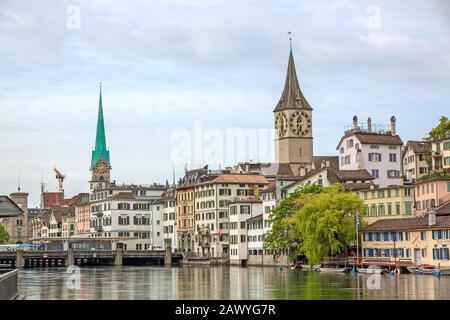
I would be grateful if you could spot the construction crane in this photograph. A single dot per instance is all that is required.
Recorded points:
(60, 177)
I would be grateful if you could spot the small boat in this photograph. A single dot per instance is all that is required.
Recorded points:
(421, 270)
(331, 270)
(371, 270)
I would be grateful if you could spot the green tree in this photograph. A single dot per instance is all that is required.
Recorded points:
(442, 129)
(284, 236)
(326, 223)
(4, 236)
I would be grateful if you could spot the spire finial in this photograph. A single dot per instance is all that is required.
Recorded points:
(290, 40)
(18, 182)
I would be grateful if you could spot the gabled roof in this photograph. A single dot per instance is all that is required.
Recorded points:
(408, 224)
(373, 138)
(423, 147)
(332, 160)
(443, 209)
(241, 179)
(292, 96)
(9, 208)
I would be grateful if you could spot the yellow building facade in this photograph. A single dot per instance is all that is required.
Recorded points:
(390, 202)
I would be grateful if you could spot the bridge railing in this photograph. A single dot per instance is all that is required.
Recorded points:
(9, 284)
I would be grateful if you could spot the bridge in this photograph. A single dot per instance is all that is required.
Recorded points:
(54, 258)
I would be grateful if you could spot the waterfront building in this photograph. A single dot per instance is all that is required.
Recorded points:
(185, 212)
(416, 159)
(326, 176)
(419, 240)
(8, 210)
(293, 124)
(17, 226)
(373, 148)
(169, 218)
(431, 191)
(255, 240)
(441, 154)
(82, 216)
(212, 197)
(240, 211)
(269, 202)
(388, 203)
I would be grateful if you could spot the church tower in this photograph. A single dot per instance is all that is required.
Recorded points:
(293, 123)
(100, 163)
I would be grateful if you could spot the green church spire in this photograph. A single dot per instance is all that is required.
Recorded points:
(100, 140)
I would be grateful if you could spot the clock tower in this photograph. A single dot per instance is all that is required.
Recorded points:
(100, 163)
(293, 124)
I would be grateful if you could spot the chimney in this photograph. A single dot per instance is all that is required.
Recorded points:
(355, 123)
(393, 131)
(369, 125)
(432, 218)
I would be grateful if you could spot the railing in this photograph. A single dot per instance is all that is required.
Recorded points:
(9, 285)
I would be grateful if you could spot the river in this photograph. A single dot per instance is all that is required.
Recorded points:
(200, 283)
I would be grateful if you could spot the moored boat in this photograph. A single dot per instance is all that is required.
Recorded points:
(331, 270)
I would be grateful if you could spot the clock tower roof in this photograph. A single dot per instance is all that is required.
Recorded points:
(100, 151)
(292, 96)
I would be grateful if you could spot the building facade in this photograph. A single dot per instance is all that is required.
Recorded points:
(212, 198)
(431, 193)
(169, 218)
(377, 151)
(416, 159)
(17, 227)
(240, 211)
(82, 216)
(441, 154)
(388, 203)
(420, 241)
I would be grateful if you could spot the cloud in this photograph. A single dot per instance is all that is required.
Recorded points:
(167, 64)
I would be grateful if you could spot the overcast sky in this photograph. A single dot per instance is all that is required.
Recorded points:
(166, 65)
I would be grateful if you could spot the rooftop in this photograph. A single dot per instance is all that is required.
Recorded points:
(417, 223)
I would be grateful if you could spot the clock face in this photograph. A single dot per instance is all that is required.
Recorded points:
(281, 124)
(101, 167)
(300, 123)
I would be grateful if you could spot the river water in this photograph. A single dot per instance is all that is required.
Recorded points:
(203, 283)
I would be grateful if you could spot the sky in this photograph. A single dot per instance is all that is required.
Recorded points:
(170, 67)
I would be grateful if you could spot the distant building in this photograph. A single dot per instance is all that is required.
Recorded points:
(416, 159)
(388, 203)
(441, 154)
(240, 211)
(374, 149)
(212, 198)
(82, 216)
(17, 227)
(169, 217)
(430, 193)
(185, 210)
(419, 240)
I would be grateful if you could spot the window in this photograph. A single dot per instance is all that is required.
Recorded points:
(375, 173)
(341, 150)
(347, 159)
(423, 235)
(392, 157)
(374, 157)
(393, 174)
(408, 208)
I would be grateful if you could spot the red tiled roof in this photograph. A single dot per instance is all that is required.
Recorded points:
(373, 138)
(241, 179)
(407, 224)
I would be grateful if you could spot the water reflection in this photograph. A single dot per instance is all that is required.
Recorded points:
(199, 283)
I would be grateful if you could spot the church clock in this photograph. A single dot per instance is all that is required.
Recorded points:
(281, 124)
(300, 123)
(102, 167)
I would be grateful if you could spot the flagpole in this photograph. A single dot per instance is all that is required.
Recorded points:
(357, 237)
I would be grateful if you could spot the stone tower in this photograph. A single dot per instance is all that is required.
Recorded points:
(18, 227)
(293, 123)
(100, 163)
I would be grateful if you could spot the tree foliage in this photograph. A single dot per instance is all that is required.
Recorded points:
(316, 221)
(442, 129)
(327, 223)
(283, 236)
(4, 236)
